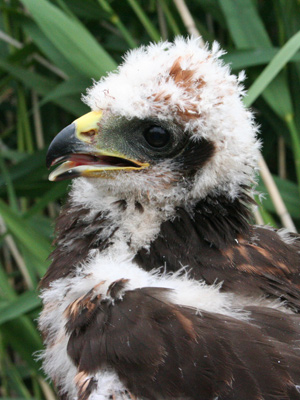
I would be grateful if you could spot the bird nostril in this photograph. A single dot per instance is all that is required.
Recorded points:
(88, 134)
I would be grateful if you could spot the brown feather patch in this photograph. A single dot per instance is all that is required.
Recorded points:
(76, 235)
(161, 350)
(186, 323)
(85, 385)
(218, 244)
(185, 79)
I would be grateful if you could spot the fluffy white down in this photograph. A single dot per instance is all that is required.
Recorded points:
(132, 91)
(141, 87)
(109, 268)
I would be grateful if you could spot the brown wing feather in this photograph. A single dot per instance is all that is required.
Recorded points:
(248, 260)
(215, 242)
(161, 350)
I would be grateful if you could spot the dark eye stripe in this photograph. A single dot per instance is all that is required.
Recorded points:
(156, 136)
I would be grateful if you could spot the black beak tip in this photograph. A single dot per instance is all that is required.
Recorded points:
(62, 145)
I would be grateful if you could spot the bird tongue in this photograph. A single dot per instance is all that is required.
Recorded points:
(84, 159)
(76, 160)
(75, 165)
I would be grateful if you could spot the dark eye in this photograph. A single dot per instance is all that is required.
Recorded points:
(157, 136)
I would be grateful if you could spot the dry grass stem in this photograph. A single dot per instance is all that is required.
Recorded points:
(280, 207)
(188, 20)
(13, 42)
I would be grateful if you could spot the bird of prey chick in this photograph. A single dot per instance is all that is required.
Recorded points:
(159, 286)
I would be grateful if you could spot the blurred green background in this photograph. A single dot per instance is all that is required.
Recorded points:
(49, 53)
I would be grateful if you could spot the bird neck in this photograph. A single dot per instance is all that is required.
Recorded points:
(199, 239)
(151, 234)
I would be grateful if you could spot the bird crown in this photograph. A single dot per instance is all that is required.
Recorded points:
(184, 83)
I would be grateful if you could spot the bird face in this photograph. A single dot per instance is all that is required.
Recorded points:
(115, 149)
(86, 149)
(169, 121)
(95, 145)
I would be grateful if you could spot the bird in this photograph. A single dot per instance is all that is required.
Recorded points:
(160, 285)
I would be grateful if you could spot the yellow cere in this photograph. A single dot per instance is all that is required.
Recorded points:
(87, 122)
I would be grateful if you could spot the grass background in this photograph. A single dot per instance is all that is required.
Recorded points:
(49, 53)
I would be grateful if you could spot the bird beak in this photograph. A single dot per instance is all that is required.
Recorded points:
(82, 153)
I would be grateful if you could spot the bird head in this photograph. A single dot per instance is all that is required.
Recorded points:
(168, 124)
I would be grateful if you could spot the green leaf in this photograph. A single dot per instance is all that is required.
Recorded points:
(57, 191)
(30, 79)
(278, 96)
(6, 290)
(90, 10)
(41, 224)
(240, 59)
(15, 398)
(10, 187)
(16, 381)
(47, 47)
(115, 19)
(267, 217)
(13, 155)
(244, 24)
(43, 86)
(269, 73)
(145, 21)
(247, 31)
(289, 192)
(23, 337)
(31, 239)
(71, 38)
(213, 8)
(71, 87)
(26, 302)
(170, 18)
(25, 167)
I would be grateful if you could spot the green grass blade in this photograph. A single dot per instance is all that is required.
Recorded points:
(6, 291)
(115, 19)
(278, 96)
(23, 337)
(30, 79)
(71, 38)
(171, 20)
(34, 242)
(244, 24)
(290, 196)
(20, 333)
(145, 21)
(43, 86)
(26, 167)
(34, 267)
(26, 302)
(41, 224)
(57, 191)
(13, 155)
(16, 382)
(47, 48)
(270, 72)
(10, 187)
(23, 115)
(242, 16)
(267, 217)
(71, 87)
(247, 31)
(240, 59)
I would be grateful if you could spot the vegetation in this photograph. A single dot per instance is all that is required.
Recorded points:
(49, 52)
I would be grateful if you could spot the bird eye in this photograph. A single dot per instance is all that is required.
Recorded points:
(157, 136)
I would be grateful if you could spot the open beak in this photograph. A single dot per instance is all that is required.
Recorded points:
(78, 147)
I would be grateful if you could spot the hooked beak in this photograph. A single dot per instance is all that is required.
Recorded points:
(78, 147)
